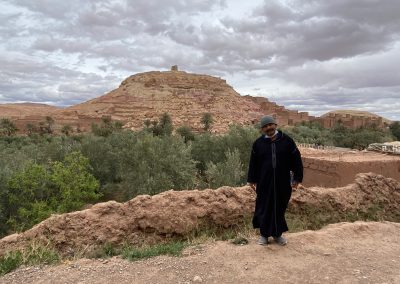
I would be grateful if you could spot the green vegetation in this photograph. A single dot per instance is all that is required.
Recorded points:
(339, 135)
(45, 174)
(7, 127)
(309, 217)
(46, 127)
(33, 255)
(37, 191)
(67, 130)
(207, 120)
(161, 127)
(186, 132)
(172, 248)
(106, 127)
(395, 129)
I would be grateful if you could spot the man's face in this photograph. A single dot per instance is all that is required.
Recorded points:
(269, 129)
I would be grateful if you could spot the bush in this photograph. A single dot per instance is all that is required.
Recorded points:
(7, 127)
(33, 255)
(154, 164)
(38, 191)
(229, 172)
(106, 127)
(186, 132)
(395, 129)
(207, 120)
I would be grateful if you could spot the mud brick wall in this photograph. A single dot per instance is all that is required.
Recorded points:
(327, 173)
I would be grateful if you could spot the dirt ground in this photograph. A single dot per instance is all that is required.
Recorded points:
(340, 253)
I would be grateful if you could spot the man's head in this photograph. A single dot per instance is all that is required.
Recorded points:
(268, 125)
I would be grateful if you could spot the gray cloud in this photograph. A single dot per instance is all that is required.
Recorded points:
(324, 54)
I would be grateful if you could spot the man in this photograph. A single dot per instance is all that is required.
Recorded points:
(273, 157)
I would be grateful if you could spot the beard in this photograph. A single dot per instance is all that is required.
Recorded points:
(270, 132)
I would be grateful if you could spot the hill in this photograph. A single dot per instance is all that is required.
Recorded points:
(27, 113)
(185, 96)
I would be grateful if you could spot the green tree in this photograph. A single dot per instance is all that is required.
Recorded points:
(342, 136)
(186, 132)
(152, 164)
(207, 120)
(29, 197)
(395, 129)
(207, 148)
(31, 129)
(50, 123)
(46, 126)
(229, 172)
(7, 127)
(74, 182)
(38, 191)
(106, 127)
(147, 123)
(67, 130)
(163, 127)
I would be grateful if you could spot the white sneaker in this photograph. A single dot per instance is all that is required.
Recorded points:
(263, 241)
(280, 240)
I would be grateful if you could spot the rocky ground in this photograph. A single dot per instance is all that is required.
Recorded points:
(341, 253)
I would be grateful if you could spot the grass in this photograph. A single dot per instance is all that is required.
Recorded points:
(172, 248)
(10, 261)
(314, 218)
(207, 230)
(33, 255)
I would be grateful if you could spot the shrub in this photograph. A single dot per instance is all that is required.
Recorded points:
(38, 191)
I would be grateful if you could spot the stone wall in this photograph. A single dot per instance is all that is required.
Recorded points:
(280, 113)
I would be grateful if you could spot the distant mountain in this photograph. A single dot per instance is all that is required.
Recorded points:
(26, 113)
(20, 110)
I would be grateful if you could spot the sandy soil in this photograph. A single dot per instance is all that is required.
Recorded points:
(340, 253)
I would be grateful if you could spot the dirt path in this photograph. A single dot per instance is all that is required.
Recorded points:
(341, 253)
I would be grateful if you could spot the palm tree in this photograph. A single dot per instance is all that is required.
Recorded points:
(7, 127)
(67, 129)
(207, 120)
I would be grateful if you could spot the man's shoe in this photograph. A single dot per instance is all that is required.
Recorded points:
(280, 240)
(263, 241)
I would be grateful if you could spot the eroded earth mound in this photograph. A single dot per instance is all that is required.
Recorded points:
(368, 191)
(146, 219)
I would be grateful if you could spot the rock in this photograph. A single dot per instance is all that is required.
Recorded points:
(197, 279)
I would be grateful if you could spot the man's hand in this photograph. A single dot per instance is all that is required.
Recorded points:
(252, 185)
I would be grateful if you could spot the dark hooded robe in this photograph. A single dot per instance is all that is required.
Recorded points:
(271, 164)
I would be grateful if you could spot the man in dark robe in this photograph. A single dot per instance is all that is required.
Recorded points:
(275, 168)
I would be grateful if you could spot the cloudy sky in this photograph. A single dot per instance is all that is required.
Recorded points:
(308, 55)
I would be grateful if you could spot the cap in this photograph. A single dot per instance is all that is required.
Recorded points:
(267, 120)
